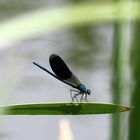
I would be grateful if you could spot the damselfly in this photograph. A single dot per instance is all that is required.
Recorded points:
(64, 74)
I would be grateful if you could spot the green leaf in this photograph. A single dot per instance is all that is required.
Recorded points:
(134, 127)
(64, 109)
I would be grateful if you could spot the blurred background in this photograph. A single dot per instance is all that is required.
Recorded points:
(103, 55)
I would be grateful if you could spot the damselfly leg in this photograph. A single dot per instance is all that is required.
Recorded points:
(82, 98)
(75, 95)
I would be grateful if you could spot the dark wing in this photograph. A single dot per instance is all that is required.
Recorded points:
(61, 70)
(43, 68)
(59, 67)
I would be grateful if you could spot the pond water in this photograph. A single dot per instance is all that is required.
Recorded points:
(91, 64)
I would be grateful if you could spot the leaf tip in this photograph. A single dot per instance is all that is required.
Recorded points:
(126, 108)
